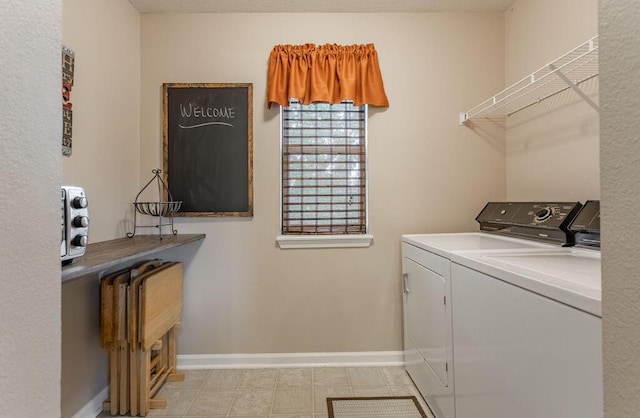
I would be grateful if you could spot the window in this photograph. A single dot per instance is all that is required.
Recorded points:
(324, 175)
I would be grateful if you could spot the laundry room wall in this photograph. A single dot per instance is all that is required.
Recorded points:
(427, 173)
(105, 37)
(620, 200)
(552, 147)
(30, 169)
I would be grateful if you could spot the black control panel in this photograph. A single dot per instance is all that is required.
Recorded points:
(586, 225)
(543, 221)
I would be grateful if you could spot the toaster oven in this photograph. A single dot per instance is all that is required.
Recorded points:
(74, 222)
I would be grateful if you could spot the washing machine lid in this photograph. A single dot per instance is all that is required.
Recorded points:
(568, 275)
(443, 244)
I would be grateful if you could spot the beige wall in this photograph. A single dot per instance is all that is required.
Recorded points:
(620, 162)
(30, 164)
(105, 36)
(553, 147)
(427, 174)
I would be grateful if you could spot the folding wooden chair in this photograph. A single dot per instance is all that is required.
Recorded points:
(112, 309)
(160, 309)
(139, 314)
(120, 284)
(132, 319)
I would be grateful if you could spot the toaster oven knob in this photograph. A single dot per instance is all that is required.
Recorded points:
(80, 202)
(80, 241)
(81, 221)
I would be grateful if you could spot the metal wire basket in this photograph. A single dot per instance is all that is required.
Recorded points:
(157, 208)
(160, 209)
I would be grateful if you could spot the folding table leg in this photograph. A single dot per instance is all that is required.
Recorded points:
(172, 355)
(114, 389)
(123, 351)
(144, 375)
(134, 384)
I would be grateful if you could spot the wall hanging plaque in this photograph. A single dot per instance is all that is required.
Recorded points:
(208, 147)
(68, 62)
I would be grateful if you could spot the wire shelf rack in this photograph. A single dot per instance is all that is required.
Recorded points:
(566, 72)
(160, 209)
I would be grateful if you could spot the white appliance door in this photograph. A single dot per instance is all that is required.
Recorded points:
(426, 316)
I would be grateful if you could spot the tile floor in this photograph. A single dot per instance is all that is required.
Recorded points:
(277, 393)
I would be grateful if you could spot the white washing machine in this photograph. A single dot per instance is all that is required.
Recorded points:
(427, 285)
(527, 329)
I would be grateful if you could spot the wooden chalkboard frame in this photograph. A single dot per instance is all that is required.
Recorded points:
(211, 89)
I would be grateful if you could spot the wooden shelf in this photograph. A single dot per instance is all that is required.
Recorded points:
(102, 256)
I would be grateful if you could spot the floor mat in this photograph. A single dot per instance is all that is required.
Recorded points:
(373, 407)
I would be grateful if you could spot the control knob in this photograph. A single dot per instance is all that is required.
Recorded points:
(80, 202)
(543, 214)
(80, 241)
(81, 221)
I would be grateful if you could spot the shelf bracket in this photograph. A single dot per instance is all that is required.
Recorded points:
(463, 118)
(575, 88)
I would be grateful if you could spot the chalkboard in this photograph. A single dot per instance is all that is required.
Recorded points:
(208, 147)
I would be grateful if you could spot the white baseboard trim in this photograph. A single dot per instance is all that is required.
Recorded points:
(341, 359)
(93, 408)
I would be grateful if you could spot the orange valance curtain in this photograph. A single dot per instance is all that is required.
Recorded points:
(328, 73)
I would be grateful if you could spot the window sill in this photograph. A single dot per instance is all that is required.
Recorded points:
(324, 241)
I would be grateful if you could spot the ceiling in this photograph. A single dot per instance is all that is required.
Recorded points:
(318, 6)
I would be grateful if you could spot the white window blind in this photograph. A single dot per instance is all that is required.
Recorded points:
(324, 169)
